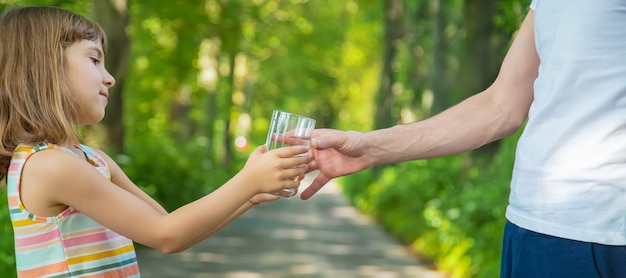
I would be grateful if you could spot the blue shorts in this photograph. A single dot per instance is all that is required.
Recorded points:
(529, 254)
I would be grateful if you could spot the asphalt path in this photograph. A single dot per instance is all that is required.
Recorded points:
(322, 237)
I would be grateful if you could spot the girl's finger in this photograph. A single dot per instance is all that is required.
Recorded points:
(293, 173)
(290, 183)
(291, 151)
(295, 161)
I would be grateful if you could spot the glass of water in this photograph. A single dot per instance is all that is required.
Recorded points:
(288, 129)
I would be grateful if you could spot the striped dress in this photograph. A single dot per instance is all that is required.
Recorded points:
(67, 245)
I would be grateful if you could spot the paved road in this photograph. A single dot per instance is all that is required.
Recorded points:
(322, 237)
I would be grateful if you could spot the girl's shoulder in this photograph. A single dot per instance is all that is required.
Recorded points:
(37, 172)
(25, 152)
(60, 161)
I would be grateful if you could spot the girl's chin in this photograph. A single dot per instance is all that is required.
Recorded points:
(91, 121)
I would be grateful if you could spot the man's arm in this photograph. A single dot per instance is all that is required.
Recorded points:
(490, 115)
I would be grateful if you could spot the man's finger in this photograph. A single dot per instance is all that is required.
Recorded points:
(315, 186)
(321, 144)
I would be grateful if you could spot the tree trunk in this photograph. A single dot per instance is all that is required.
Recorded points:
(442, 97)
(230, 36)
(112, 15)
(480, 56)
(227, 135)
(414, 20)
(211, 112)
(394, 10)
(480, 59)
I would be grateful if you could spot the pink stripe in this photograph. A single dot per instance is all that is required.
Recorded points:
(85, 239)
(13, 201)
(14, 165)
(22, 242)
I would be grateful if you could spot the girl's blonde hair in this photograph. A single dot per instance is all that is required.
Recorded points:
(35, 103)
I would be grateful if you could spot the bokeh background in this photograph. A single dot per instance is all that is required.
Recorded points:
(197, 81)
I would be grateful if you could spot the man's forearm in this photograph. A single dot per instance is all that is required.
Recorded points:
(466, 126)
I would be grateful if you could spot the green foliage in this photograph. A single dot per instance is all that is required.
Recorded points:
(510, 14)
(7, 257)
(449, 213)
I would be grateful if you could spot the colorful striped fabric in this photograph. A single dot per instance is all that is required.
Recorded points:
(69, 244)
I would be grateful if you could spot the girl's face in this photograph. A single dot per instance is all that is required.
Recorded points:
(88, 80)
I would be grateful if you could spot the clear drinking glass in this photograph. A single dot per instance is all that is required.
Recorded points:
(288, 129)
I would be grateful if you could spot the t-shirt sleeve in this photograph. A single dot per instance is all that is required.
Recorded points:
(533, 4)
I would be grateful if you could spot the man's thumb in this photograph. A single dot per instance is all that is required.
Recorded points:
(318, 143)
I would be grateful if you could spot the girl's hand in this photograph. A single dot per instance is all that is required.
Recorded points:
(272, 171)
(263, 198)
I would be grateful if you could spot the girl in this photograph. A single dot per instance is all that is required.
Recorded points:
(73, 210)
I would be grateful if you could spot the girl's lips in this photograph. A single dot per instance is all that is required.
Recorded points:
(105, 94)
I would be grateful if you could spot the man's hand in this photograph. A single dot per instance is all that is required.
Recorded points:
(335, 153)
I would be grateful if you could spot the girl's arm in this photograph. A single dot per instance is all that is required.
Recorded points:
(61, 179)
(120, 178)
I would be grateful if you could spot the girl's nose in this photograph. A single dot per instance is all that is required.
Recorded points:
(109, 80)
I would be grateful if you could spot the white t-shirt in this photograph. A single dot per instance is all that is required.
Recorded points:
(569, 178)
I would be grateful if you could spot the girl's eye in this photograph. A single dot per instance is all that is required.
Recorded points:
(95, 61)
